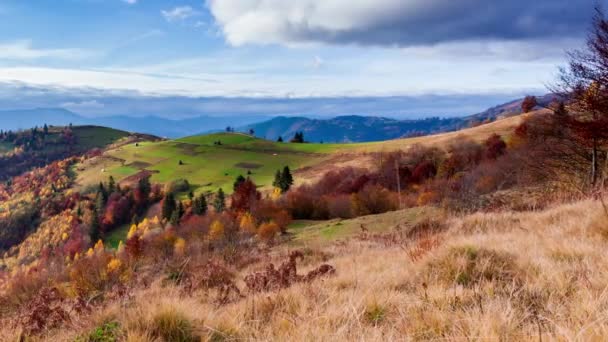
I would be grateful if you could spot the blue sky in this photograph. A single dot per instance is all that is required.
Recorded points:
(283, 49)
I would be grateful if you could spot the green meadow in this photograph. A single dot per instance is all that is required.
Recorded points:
(208, 162)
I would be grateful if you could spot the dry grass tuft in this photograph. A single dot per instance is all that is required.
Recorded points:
(171, 325)
(470, 266)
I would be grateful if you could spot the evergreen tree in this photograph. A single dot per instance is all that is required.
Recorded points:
(280, 139)
(46, 129)
(220, 201)
(287, 179)
(111, 185)
(203, 204)
(199, 205)
(95, 229)
(278, 180)
(102, 191)
(239, 180)
(168, 206)
(100, 202)
(145, 187)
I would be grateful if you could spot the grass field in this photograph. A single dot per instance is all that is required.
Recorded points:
(205, 165)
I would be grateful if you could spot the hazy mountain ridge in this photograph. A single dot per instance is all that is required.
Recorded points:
(27, 118)
(355, 128)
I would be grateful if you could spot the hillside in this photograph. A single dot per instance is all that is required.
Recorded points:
(23, 150)
(209, 166)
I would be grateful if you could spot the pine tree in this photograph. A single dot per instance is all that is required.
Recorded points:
(111, 185)
(145, 187)
(46, 129)
(100, 202)
(285, 179)
(280, 139)
(278, 180)
(168, 206)
(95, 229)
(202, 205)
(104, 194)
(220, 201)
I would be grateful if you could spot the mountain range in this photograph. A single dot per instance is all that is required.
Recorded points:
(349, 128)
(354, 128)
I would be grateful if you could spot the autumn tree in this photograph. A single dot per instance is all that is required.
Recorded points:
(245, 196)
(585, 82)
(528, 104)
(239, 180)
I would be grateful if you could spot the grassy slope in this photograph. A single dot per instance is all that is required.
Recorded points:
(513, 276)
(208, 166)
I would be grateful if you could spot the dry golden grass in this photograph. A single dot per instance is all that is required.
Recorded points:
(495, 276)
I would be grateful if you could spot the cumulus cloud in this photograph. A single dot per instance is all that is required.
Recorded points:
(179, 13)
(130, 2)
(396, 22)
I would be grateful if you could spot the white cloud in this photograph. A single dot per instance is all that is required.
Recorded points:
(179, 13)
(130, 2)
(24, 50)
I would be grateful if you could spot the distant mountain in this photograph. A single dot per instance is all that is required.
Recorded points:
(351, 128)
(355, 128)
(28, 118)
(24, 119)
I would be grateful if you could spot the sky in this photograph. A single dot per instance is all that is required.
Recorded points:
(276, 49)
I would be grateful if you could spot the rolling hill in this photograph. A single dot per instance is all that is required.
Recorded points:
(208, 165)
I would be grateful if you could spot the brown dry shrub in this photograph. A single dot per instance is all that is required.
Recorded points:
(423, 246)
(272, 279)
(212, 275)
(45, 311)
